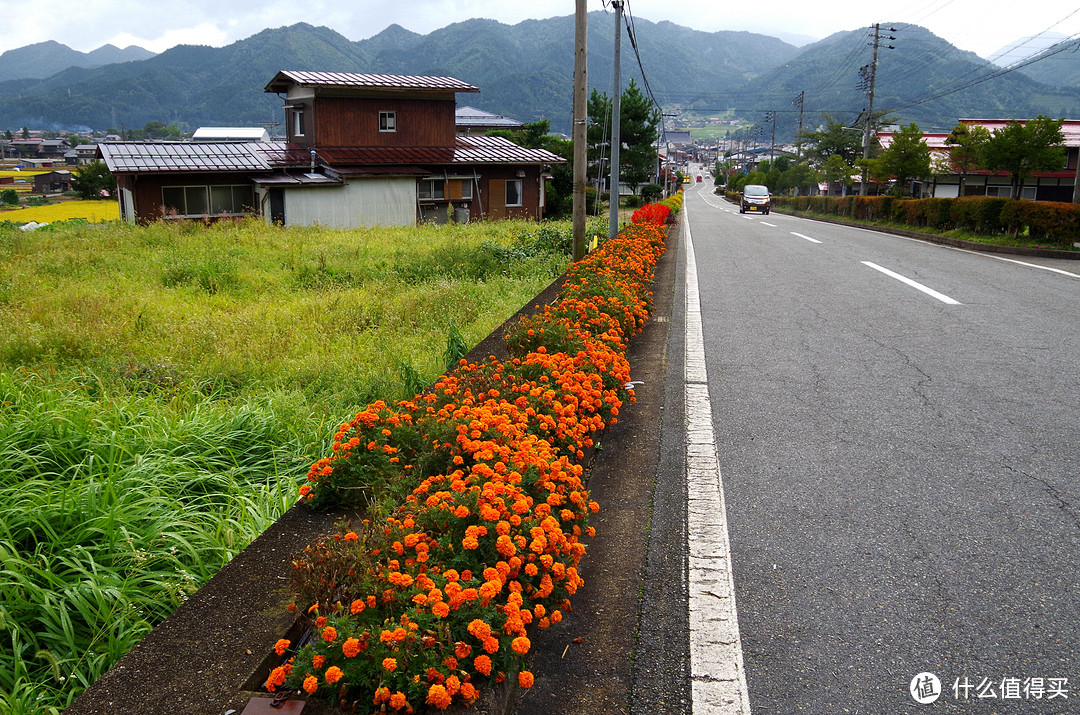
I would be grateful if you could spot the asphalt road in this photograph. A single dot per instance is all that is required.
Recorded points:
(900, 471)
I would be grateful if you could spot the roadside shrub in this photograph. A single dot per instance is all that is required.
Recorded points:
(981, 214)
(1052, 220)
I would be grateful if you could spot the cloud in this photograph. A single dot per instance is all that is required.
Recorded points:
(207, 33)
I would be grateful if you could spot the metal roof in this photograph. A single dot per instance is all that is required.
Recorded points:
(374, 155)
(181, 156)
(473, 117)
(393, 82)
(497, 150)
(267, 156)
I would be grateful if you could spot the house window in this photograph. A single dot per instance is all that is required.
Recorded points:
(513, 192)
(196, 201)
(432, 189)
(387, 121)
(298, 122)
(466, 189)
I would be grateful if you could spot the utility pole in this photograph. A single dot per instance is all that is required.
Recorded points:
(579, 135)
(616, 121)
(798, 142)
(872, 70)
(772, 145)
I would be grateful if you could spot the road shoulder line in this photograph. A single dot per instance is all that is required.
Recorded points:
(718, 677)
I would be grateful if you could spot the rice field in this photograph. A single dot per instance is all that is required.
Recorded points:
(164, 388)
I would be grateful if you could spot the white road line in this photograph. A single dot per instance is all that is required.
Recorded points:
(718, 678)
(811, 240)
(763, 223)
(919, 286)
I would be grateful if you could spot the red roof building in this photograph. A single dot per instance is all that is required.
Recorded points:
(1041, 186)
(360, 150)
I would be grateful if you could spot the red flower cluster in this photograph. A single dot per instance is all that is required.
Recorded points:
(444, 584)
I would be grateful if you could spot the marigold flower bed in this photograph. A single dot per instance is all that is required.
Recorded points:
(476, 501)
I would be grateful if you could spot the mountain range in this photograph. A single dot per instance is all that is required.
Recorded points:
(525, 71)
(45, 59)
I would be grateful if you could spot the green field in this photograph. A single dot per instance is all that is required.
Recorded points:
(163, 389)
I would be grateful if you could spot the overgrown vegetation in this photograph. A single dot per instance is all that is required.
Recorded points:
(163, 389)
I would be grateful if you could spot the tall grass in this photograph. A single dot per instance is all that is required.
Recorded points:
(162, 390)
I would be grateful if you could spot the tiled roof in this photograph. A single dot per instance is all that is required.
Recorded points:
(181, 156)
(497, 150)
(286, 78)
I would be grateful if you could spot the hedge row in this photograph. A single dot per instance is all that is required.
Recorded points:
(988, 215)
(477, 503)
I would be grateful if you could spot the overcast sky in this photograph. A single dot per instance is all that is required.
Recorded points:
(981, 26)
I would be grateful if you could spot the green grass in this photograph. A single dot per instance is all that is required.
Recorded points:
(163, 389)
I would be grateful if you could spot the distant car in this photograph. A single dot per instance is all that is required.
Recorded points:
(699, 179)
(755, 198)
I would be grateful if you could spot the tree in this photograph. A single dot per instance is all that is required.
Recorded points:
(1019, 149)
(638, 122)
(965, 147)
(90, 180)
(9, 197)
(25, 133)
(907, 158)
(832, 138)
(837, 170)
(800, 177)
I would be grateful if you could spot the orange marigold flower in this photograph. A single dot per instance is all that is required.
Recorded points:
(318, 661)
(351, 647)
(320, 621)
(281, 646)
(525, 679)
(521, 645)
(356, 607)
(389, 664)
(351, 536)
(462, 650)
(469, 692)
(491, 644)
(311, 684)
(398, 701)
(441, 609)
(333, 674)
(556, 616)
(277, 677)
(329, 634)
(479, 628)
(381, 695)
(482, 663)
(438, 697)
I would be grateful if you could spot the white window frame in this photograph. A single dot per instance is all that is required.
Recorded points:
(387, 121)
(517, 183)
(298, 122)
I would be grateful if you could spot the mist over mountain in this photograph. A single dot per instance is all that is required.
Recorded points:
(525, 71)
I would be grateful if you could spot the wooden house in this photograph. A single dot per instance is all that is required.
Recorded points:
(360, 150)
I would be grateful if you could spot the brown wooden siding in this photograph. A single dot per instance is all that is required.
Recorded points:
(146, 189)
(493, 195)
(355, 122)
